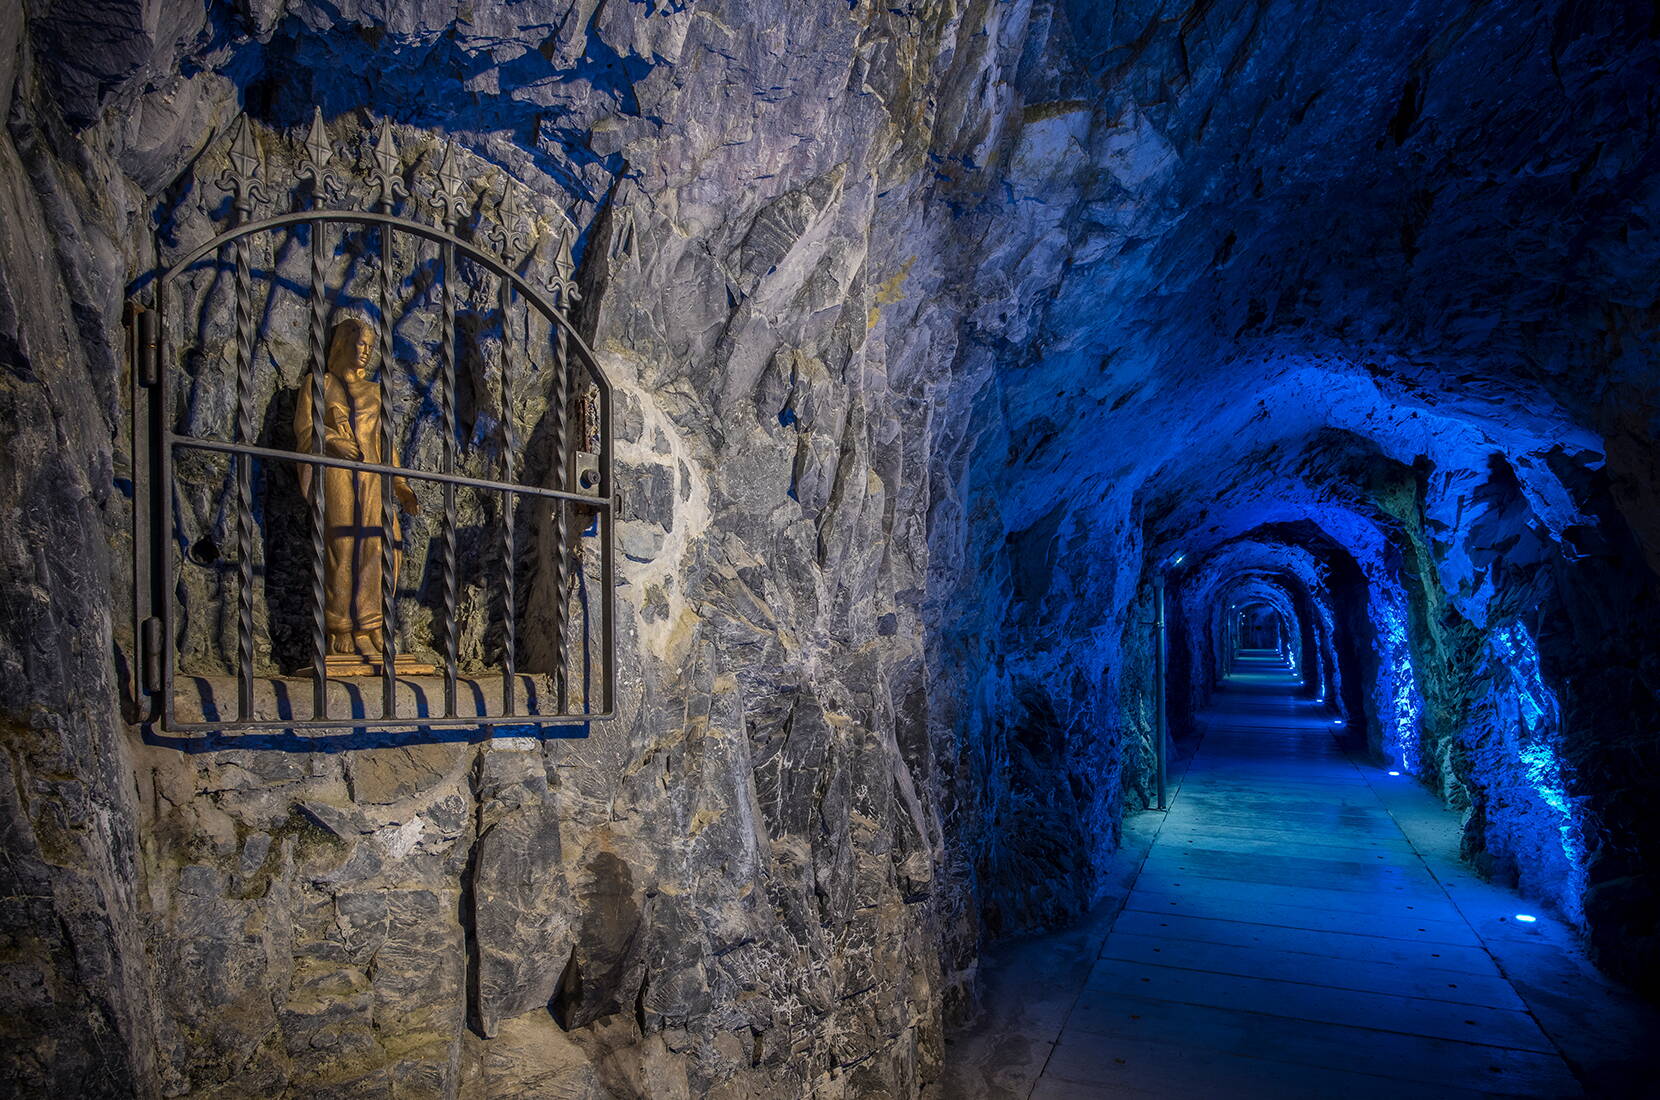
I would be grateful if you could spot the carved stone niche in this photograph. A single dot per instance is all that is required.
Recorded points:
(370, 431)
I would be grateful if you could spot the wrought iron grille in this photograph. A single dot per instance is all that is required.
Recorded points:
(550, 538)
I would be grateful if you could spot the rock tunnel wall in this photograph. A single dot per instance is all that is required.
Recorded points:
(943, 327)
(743, 885)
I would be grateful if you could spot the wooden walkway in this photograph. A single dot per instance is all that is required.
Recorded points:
(1284, 939)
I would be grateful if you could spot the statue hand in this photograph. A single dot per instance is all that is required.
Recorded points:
(406, 497)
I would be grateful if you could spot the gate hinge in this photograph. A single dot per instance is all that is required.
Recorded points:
(149, 646)
(146, 357)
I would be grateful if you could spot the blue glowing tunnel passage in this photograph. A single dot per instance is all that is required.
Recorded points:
(1331, 617)
(1302, 892)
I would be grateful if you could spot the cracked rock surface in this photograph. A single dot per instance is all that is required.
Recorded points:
(936, 329)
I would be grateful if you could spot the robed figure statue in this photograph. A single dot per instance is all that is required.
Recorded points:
(353, 527)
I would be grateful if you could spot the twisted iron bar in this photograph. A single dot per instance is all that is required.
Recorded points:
(244, 485)
(446, 408)
(319, 399)
(563, 461)
(388, 503)
(390, 187)
(511, 241)
(510, 450)
(241, 178)
(324, 184)
(452, 204)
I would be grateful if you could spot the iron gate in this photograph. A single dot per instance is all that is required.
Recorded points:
(578, 493)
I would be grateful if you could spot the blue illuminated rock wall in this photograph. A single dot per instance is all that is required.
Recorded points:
(1534, 830)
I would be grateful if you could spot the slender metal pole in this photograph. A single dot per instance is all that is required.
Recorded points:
(1161, 665)
(607, 551)
(1227, 643)
(165, 509)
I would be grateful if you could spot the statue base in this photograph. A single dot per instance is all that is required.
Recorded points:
(352, 664)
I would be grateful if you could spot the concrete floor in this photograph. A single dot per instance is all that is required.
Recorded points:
(1299, 925)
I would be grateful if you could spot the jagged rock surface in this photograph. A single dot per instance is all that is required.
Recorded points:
(936, 329)
(731, 890)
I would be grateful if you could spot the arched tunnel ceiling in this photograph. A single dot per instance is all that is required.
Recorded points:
(1287, 569)
(1260, 601)
(1413, 229)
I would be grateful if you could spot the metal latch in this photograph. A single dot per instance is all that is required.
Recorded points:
(587, 473)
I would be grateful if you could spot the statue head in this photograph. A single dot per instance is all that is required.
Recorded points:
(351, 347)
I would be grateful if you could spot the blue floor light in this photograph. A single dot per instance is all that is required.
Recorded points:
(1526, 918)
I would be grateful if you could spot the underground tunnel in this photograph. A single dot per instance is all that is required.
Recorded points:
(820, 548)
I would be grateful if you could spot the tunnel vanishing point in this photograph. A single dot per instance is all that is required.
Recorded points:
(765, 549)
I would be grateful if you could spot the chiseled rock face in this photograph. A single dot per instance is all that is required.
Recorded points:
(742, 886)
(935, 329)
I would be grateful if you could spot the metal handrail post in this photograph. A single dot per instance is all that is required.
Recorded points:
(1161, 660)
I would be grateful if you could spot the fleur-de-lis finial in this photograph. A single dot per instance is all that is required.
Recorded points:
(449, 200)
(242, 177)
(509, 236)
(385, 175)
(315, 165)
(244, 154)
(561, 284)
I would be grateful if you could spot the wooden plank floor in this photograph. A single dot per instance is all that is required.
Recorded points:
(1284, 939)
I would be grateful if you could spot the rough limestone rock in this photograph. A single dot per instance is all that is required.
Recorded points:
(937, 330)
(734, 888)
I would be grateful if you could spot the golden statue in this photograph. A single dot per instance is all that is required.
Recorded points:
(352, 523)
